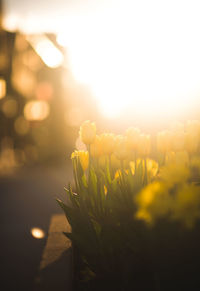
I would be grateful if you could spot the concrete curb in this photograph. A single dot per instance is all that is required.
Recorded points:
(55, 271)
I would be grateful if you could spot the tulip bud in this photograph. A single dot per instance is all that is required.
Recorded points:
(88, 132)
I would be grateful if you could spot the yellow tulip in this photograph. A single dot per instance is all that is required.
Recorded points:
(152, 168)
(174, 173)
(95, 148)
(88, 132)
(105, 190)
(107, 141)
(186, 206)
(121, 147)
(83, 158)
(118, 173)
(153, 201)
(143, 214)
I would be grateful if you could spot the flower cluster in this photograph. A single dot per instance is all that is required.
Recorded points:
(181, 141)
(126, 187)
(158, 166)
(133, 144)
(131, 190)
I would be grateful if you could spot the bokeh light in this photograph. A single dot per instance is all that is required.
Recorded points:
(36, 110)
(44, 91)
(37, 233)
(11, 22)
(23, 80)
(45, 48)
(10, 107)
(7, 156)
(2, 88)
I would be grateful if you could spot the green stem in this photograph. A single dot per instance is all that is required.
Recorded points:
(89, 166)
(145, 172)
(110, 167)
(135, 159)
(122, 171)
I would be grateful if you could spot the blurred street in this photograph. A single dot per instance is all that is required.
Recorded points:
(27, 200)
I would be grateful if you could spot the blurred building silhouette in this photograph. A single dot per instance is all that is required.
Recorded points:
(31, 104)
(41, 105)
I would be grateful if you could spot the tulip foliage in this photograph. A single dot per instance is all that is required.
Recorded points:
(129, 190)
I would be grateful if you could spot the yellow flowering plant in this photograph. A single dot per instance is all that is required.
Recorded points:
(128, 193)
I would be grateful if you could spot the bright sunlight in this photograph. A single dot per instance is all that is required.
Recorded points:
(142, 55)
(136, 55)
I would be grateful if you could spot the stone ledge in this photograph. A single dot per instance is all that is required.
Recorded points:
(55, 271)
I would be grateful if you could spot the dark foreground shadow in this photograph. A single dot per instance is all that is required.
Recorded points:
(56, 276)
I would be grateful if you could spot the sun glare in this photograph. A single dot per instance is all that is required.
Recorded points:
(141, 56)
(144, 55)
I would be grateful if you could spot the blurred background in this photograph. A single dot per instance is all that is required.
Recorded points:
(118, 63)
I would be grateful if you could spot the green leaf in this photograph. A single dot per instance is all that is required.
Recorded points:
(74, 198)
(92, 181)
(97, 227)
(80, 171)
(69, 212)
(84, 181)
